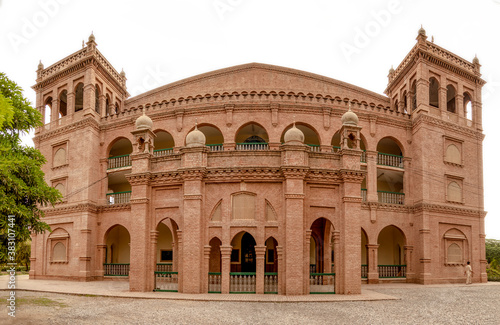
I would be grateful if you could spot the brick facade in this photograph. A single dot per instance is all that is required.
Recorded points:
(286, 188)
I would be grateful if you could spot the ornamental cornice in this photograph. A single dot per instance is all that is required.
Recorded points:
(142, 200)
(437, 208)
(386, 207)
(453, 127)
(139, 178)
(295, 171)
(295, 196)
(244, 173)
(114, 207)
(193, 197)
(82, 207)
(352, 175)
(192, 173)
(352, 199)
(70, 128)
(323, 175)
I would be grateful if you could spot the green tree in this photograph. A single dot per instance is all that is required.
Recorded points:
(492, 250)
(23, 189)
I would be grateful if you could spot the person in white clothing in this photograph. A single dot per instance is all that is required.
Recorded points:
(468, 272)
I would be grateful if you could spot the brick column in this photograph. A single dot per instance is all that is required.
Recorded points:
(54, 113)
(371, 176)
(279, 252)
(307, 261)
(153, 237)
(372, 263)
(260, 253)
(205, 269)
(100, 260)
(337, 257)
(225, 255)
(408, 259)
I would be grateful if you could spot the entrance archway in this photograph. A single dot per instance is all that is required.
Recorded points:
(391, 260)
(243, 264)
(117, 252)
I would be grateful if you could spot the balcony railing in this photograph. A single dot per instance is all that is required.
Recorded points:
(386, 159)
(163, 152)
(322, 283)
(270, 282)
(119, 161)
(363, 194)
(363, 156)
(252, 146)
(215, 147)
(166, 281)
(214, 282)
(242, 282)
(164, 267)
(335, 148)
(314, 147)
(392, 271)
(364, 271)
(391, 197)
(118, 197)
(116, 269)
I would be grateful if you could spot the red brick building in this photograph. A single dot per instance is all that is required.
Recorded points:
(259, 178)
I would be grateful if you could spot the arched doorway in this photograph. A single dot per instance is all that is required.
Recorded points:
(117, 252)
(391, 257)
(166, 275)
(271, 266)
(215, 266)
(243, 264)
(321, 275)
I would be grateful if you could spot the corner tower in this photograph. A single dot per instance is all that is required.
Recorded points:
(442, 92)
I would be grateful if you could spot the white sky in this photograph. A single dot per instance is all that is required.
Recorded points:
(158, 42)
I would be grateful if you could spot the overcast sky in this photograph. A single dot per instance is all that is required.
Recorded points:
(158, 42)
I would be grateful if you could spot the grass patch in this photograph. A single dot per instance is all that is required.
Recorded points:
(40, 301)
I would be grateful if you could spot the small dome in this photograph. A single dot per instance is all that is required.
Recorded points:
(475, 60)
(391, 70)
(421, 31)
(294, 135)
(143, 122)
(122, 73)
(40, 65)
(92, 37)
(350, 118)
(195, 138)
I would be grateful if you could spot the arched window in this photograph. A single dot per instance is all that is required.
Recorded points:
(48, 110)
(433, 92)
(453, 154)
(63, 103)
(59, 252)
(108, 107)
(59, 157)
(454, 254)
(450, 99)
(405, 102)
(454, 192)
(79, 97)
(413, 96)
(97, 94)
(468, 106)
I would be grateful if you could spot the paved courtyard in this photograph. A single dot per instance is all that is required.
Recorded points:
(385, 304)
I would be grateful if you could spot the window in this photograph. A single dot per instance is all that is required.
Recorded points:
(166, 256)
(243, 206)
(433, 92)
(454, 254)
(59, 252)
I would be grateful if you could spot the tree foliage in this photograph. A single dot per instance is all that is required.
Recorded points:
(23, 189)
(492, 250)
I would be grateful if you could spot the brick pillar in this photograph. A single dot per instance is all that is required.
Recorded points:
(206, 266)
(372, 263)
(371, 176)
(225, 255)
(279, 252)
(408, 259)
(85, 253)
(443, 104)
(100, 260)
(260, 254)
(425, 249)
(294, 157)
(71, 104)
(54, 113)
(33, 262)
(307, 260)
(337, 257)
(408, 200)
(153, 237)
